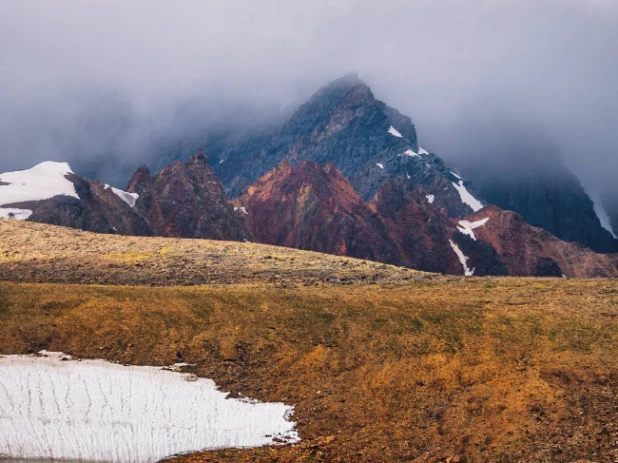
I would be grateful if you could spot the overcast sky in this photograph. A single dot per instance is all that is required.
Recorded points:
(106, 79)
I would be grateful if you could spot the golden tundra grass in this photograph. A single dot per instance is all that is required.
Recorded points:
(479, 370)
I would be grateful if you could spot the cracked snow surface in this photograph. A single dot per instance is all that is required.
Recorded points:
(99, 411)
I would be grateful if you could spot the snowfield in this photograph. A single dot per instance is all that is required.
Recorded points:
(98, 411)
(43, 181)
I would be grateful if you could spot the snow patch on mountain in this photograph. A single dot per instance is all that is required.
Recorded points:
(467, 228)
(466, 197)
(410, 153)
(17, 214)
(463, 259)
(43, 181)
(422, 151)
(393, 131)
(129, 198)
(430, 198)
(604, 217)
(92, 410)
(380, 165)
(242, 209)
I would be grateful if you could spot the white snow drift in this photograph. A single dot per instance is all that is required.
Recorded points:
(467, 228)
(99, 411)
(463, 259)
(43, 181)
(466, 197)
(430, 198)
(129, 198)
(394, 132)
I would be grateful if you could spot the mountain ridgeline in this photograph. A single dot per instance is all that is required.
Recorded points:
(344, 175)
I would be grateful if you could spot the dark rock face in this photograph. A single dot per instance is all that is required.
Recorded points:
(315, 208)
(421, 231)
(529, 177)
(344, 124)
(186, 201)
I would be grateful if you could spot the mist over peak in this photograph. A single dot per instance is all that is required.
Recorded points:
(108, 85)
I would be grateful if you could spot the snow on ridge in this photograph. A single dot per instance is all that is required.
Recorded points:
(43, 181)
(453, 173)
(94, 410)
(380, 165)
(430, 198)
(422, 150)
(467, 198)
(603, 217)
(129, 198)
(463, 259)
(467, 227)
(394, 132)
(241, 209)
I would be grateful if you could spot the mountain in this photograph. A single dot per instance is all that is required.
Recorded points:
(344, 175)
(369, 142)
(527, 175)
(182, 200)
(315, 207)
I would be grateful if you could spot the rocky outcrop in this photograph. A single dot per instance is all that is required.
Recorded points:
(186, 201)
(315, 208)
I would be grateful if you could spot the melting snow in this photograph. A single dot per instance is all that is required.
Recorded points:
(467, 198)
(43, 181)
(128, 198)
(408, 175)
(467, 228)
(430, 198)
(393, 131)
(422, 150)
(99, 411)
(463, 259)
(241, 209)
(603, 217)
(381, 166)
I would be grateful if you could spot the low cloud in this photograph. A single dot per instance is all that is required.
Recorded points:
(105, 83)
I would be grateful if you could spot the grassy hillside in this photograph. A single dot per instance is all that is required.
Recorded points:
(478, 370)
(32, 252)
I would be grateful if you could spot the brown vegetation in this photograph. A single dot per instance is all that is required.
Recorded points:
(382, 364)
(472, 370)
